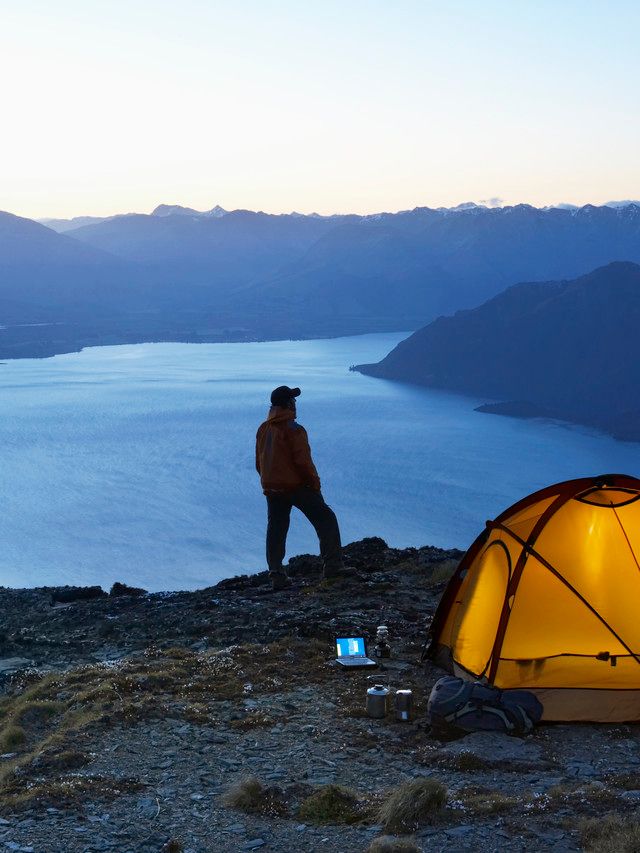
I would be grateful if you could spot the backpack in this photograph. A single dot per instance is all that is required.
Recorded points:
(471, 706)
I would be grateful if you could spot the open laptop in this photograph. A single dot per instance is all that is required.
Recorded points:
(352, 652)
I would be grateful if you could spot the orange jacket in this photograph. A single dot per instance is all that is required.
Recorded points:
(283, 455)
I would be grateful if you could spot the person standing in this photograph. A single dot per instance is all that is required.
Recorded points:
(290, 479)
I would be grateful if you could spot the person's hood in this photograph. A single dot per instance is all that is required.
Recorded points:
(279, 415)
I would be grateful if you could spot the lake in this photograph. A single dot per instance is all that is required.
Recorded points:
(136, 463)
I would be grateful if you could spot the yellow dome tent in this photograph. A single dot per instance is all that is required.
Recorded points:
(547, 599)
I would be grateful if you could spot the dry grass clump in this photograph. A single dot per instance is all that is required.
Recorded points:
(485, 801)
(69, 793)
(442, 573)
(563, 791)
(245, 795)
(37, 712)
(53, 761)
(306, 662)
(629, 781)
(172, 846)
(253, 720)
(199, 713)
(249, 795)
(611, 834)
(331, 804)
(583, 796)
(466, 762)
(412, 805)
(388, 844)
(11, 737)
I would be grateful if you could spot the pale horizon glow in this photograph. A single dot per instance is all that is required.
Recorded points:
(316, 107)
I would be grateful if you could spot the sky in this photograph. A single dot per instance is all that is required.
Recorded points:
(110, 106)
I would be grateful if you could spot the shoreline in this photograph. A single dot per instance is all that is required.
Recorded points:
(621, 430)
(50, 349)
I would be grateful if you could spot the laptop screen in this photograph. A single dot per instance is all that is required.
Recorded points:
(350, 646)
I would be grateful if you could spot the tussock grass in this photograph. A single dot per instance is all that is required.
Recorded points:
(441, 573)
(253, 720)
(172, 846)
(485, 801)
(249, 795)
(12, 737)
(611, 833)
(466, 762)
(412, 805)
(198, 713)
(245, 795)
(48, 717)
(629, 781)
(331, 804)
(60, 761)
(388, 844)
(69, 793)
(37, 712)
(583, 796)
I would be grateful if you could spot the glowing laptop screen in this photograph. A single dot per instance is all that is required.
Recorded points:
(350, 646)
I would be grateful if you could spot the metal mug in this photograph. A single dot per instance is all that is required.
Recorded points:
(404, 705)
(377, 697)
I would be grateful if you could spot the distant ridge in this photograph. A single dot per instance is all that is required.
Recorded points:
(180, 274)
(59, 224)
(564, 349)
(62, 225)
(177, 210)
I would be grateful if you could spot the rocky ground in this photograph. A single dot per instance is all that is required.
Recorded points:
(217, 721)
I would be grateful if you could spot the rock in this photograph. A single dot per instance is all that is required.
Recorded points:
(581, 770)
(458, 831)
(551, 835)
(119, 589)
(492, 747)
(254, 844)
(395, 665)
(8, 665)
(107, 653)
(67, 594)
(147, 807)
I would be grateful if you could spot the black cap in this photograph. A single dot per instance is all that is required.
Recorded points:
(282, 395)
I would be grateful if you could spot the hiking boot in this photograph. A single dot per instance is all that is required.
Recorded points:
(280, 581)
(332, 572)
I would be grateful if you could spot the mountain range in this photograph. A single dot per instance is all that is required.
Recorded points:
(64, 225)
(182, 274)
(564, 349)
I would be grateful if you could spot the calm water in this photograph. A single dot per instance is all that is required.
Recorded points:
(136, 463)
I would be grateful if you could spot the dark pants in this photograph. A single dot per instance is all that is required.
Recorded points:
(323, 518)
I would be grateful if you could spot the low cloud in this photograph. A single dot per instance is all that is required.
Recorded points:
(492, 202)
